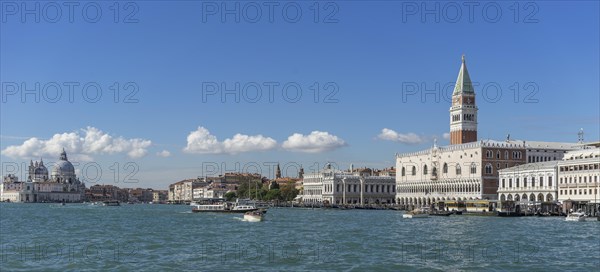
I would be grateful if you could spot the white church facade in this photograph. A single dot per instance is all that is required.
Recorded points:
(61, 186)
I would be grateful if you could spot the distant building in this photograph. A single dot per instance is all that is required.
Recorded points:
(100, 193)
(61, 186)
(578, 177)
(160, 196)
(141, 195)
(182, 191)
(331, 186)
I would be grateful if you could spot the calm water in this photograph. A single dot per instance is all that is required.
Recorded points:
(164, 237)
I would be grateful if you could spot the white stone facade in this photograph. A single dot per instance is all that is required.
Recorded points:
(579, 176)
(332, 186)
(529, 183)
(455, 172)
(62, 186)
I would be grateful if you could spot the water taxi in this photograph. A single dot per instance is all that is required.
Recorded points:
(254, 216)
(111, 203)
(576, 216)
(416, 213)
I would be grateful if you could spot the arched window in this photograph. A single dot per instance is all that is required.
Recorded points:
(488, 168)
(403, 171)
(502, 197)
(458, 170)
(498, 154)
(424, 169)
(434, 171)
(506, 155)
(414, 170)
(473, 168)
(445, 168)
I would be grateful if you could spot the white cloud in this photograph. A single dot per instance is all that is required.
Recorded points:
(201, 141)
(446, 136)
(408, 138)
(316, 141)
(82, 144)
(164, 154)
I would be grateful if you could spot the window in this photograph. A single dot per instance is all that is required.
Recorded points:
(403, 171)
(509, 183)
(541, 181)
(532, 181)
(549, 181)
(424, 169)
(517, 183)
(445, 168)
(503, 184)
(473, 168)
(414, 171)
(488, 169)
(489, 154)
(458, 170)
(498, 154)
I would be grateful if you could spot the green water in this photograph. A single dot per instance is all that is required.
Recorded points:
(80, 237)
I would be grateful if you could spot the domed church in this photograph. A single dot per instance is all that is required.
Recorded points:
(61, 186)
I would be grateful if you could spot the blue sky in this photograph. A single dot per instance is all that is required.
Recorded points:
(362, 54)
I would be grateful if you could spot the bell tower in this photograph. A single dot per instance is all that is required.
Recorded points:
(463, 112)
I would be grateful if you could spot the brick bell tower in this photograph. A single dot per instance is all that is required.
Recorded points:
(463, 112)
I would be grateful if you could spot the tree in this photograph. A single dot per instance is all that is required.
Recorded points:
(229, 196)
(252, 190)
(288, 191)
(273, 194)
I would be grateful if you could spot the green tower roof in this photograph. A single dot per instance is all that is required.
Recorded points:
(463, 82)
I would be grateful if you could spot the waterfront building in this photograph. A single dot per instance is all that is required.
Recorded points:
(140, 195)
(61, 186)
(106, 192)
(466, 171)
(182, 191)
(332, 186)
(468, 168)
(529, 184)
(160, 196)
(578, 179)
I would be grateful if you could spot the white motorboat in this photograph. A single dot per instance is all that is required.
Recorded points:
(416, 213)
(254, 216)
(576, 216)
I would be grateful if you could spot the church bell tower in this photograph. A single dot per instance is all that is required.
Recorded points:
(463, 112)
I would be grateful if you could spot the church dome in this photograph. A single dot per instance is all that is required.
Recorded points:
(63, 167)
(41, 171)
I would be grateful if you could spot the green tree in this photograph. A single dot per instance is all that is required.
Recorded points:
(273, 194)
(229, 196)
(252, 190)
(288, 191)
